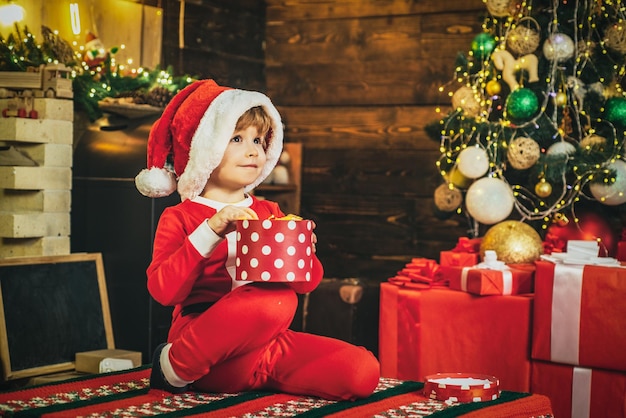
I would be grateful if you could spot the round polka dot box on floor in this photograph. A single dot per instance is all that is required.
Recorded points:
(274, 250)
(461, 387)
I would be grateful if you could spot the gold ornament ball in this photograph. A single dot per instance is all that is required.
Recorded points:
(514, 242)
(493, 87)
(543, 188)
(560, 99)
(447, 197)
(458, 179)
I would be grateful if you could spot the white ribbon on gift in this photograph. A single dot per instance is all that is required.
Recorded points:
(566, 299)
(581, 392)
(507, 279)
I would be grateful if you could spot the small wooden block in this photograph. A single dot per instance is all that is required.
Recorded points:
(48, 155)
(35, 178)
(35, 200)
(43, 131)
(31, 247)
(22, 225)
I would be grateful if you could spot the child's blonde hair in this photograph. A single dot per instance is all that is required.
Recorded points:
(258, 118)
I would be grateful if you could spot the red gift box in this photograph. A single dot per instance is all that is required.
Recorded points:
(580, 392)
(580, 315)
(424, 332)
(274, 250)
(465, 253)
(514, 281)
(621, 251)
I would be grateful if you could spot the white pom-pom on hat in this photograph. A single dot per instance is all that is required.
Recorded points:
(155, 182)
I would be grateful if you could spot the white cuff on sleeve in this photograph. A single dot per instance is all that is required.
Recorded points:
(204, 239)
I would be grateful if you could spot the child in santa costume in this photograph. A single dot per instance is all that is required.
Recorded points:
(227, 335)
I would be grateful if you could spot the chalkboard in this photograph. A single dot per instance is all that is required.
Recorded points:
(51, 308)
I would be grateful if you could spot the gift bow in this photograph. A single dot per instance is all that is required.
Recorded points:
(553, 244)
(420, 272)
(467, 245)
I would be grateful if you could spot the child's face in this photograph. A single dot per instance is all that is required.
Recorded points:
(242, 162)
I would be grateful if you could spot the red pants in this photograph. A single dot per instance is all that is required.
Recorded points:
(243, 343)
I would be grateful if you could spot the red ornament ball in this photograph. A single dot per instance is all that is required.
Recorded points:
(592, 225)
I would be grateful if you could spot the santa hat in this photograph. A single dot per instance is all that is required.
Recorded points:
(194, 129)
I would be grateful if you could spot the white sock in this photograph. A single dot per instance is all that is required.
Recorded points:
(169, 373)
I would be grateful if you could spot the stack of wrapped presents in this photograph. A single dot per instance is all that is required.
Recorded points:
(555, 327)
(36, 136)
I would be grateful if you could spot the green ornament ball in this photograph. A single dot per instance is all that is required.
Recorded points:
(615, 111)
(521, 105)
(483, 45)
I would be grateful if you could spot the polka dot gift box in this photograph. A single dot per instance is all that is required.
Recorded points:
(274, 250)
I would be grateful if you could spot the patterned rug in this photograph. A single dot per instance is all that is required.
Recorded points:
(127, 394)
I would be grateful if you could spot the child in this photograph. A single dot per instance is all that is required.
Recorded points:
(226, 335)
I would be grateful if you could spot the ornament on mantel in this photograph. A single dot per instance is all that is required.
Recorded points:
(515, 242)
(95, 52)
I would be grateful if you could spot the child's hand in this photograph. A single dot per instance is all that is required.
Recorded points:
(314, 238)
(224, 221)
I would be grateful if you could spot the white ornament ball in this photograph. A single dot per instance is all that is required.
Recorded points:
(558, 47)
(523, 153)
(561, 148)
(465, 99)
(489, 200)
(612, 194)
(281, 174)
(473, 162)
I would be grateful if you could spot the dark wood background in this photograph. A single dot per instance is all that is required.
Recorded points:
(356, 84)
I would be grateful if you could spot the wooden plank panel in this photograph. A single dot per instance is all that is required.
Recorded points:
(390, 82)
(371, 39)
(374, 127)
(370, 171)
(217, 27)
(228, 71)
(279, 10)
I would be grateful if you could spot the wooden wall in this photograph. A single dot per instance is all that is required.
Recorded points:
(221, 39)
(356, 83)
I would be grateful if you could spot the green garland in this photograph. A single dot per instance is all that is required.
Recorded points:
(21, 51)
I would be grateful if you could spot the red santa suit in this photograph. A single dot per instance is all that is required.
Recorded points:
(227, 335)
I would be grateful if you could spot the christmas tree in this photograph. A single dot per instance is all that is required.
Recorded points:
(538, 115)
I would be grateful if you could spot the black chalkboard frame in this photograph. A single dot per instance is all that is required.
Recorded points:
(50, 268)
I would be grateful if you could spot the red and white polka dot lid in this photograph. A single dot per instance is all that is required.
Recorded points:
(274, 250)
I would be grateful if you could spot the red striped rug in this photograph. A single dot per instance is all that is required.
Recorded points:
(127, 394)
